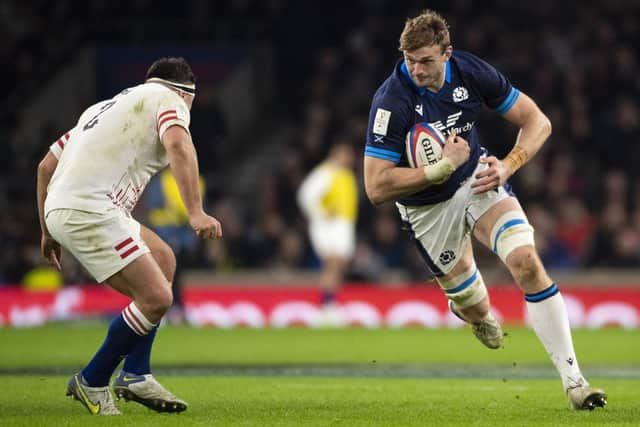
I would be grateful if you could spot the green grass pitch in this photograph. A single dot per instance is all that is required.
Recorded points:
(349, 377)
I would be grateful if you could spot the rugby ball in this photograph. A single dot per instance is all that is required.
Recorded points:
(424, 145)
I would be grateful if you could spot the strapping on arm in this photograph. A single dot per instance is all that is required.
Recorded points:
(516, 158)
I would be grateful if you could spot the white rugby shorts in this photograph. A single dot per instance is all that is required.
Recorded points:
(332, 237)
(441, 230)
(104, 243)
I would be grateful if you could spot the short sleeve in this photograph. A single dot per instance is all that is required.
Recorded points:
(58, 146)
(494, 88)
(386, 130)
(173, 111)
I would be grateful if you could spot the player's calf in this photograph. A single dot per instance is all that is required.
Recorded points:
(512, 240)
(466, 289)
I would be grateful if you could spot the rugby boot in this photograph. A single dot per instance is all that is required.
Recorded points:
(583, 396)
(145, 390)
(97, 400)
(488, 330)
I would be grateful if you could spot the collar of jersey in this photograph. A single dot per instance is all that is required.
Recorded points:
(423, 90)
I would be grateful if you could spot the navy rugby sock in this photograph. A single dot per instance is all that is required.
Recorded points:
(119, 341)
(138, 361)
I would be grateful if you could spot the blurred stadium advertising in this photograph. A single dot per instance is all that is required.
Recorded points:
(255, 305)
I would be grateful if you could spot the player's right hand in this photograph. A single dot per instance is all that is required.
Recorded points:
(206, 226)
(456, 149)
(51, 251)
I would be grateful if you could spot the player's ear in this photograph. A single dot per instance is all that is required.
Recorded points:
(447, 52)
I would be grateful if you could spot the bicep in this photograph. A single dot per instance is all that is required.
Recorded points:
(48, 163)
(522, 110)
(175, 137)
(373, 168)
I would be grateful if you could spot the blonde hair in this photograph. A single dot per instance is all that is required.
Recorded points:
(427, 29)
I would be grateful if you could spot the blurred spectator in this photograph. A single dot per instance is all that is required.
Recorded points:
(328, 197)
(554, 252)
(611, 221)
(42, 278)
(575, 227)
(626, 249)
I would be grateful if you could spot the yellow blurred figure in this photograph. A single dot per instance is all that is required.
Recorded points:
(171, 211)
(42, 278)
(328, 197)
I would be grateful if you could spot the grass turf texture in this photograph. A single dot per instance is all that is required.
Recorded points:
(328, 377)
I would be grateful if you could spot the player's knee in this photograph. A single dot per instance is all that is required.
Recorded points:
(466, 289)
(510, 232)
(525, 265)
(159, 301)
(165, 299)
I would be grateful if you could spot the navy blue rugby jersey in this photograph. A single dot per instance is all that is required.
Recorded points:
(398, 104)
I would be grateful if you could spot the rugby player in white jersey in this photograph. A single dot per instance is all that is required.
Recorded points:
(88, 183)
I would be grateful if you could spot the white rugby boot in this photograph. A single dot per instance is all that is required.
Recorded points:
(97, 400)
(145, 390)
(488, 330)
(583, 396)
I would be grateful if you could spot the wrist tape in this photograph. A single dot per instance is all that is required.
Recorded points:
(440, 171)
(516, 158)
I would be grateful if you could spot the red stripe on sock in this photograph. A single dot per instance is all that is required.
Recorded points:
(130, 322)
(137, 320)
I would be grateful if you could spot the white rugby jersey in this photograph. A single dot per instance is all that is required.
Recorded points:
(108, 158)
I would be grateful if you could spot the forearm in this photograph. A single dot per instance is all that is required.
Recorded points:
(183, 162)
(46, 168)
(41, 193)
(395, 182)
(531, 137)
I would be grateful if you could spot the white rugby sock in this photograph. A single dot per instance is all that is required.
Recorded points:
(550, 321)
(137, 321)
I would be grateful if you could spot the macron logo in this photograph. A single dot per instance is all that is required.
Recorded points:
(419, 109)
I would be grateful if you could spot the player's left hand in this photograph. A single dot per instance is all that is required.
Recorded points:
(51, 251)
(205, 226)
(492, 177)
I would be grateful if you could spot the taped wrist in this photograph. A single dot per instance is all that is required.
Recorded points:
(516, 158)
(440, 171)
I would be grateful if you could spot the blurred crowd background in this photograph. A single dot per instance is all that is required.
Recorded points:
(284, 80)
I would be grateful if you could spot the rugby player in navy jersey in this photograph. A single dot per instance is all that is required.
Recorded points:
(466, 191)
